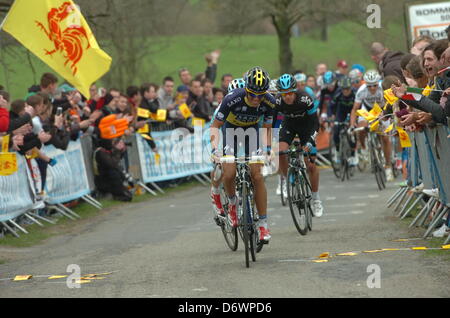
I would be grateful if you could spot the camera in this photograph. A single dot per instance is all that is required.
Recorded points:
(128, 178)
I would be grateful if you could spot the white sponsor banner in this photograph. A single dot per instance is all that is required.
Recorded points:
(67, 180)
(16, 196)
(181, 155)
(429, 19)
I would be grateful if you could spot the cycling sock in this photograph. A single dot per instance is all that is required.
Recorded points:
(315, 196)
(262, 221)
(215, 190)
(232, 200)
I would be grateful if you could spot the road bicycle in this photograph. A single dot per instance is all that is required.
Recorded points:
(246, 212)
(299, 189)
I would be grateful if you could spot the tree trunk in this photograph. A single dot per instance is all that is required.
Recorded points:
(285, 51)
(284, 43)
(324, 28)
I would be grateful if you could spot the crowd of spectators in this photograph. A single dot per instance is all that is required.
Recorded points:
(52, 113)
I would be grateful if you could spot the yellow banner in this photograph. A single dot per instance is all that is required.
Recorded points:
(142, 112)
(5, 143)
(161, 115)
(365, 114)
(144, 129)
(57, 33)
(389, 129)
(8, 163)
(405, 142)
(198, 122)
(376, 110)
(390, 97)
(185, 111)
(427, 90)
(374, 126)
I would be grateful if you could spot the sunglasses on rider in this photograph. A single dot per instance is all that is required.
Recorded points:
(287, 94)
(253, 95)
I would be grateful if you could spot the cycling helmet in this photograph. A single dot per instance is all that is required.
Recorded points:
(372, 77)
(355, 75)
(236, 83)
(345, 82)
(359, 67)
(328, 78)
(300, 77)
(257, 80)
(273, 86)
(286, 83)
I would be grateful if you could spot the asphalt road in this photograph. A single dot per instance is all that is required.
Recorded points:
(170, 247)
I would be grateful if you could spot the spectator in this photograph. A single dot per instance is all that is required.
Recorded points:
(185, 76)
(208, 93)
(342, 69)
(219, 94)
(134, 97)
(49, 84)
(149, 102)
(210, 73)
(197, 103)
(4, 115)
(10, 124)
(436, 107)
(388, 62)
(321, 69)
(109, 177)
(226, 79)
(403, 63)
(420, 43)
(311, 82)
(165, 94)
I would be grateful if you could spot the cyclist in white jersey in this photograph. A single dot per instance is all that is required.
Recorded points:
(366, 96)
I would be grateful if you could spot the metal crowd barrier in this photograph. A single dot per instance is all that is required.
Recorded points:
(72, 177)
(428, 168)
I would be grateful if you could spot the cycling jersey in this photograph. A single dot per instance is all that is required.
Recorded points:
(367, 100)
(341, 106)
(326, 95)
(236, 111)
(300, 118)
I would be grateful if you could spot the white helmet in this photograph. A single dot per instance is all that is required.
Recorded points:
(372, 77)
(300, 77)
(273, 85)
(236, 83)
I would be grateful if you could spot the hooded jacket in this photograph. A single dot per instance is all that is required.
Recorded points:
(390, 65)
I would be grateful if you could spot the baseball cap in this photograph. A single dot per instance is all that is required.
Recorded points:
(342, 63)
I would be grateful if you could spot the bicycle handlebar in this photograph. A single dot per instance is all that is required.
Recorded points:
(233, 159)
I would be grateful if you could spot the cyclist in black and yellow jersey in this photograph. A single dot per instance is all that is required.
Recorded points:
(240, 113)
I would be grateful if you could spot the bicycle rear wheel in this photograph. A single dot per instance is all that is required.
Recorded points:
(377, 169)
(296, 200)
(282, 186)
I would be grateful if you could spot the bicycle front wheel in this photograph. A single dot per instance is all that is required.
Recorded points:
(297, 202)
(244, 224)
(331, 152)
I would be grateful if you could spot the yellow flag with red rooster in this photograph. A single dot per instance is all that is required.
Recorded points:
(57, 33)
